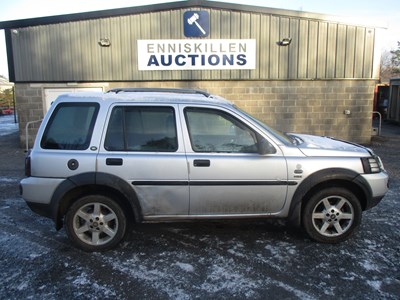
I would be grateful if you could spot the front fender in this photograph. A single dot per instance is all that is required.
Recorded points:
(335, 176)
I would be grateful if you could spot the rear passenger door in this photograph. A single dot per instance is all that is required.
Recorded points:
(143, 146)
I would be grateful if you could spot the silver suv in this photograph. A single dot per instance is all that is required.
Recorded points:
(103, 161)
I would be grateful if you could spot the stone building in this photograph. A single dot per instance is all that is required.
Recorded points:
(296, 71)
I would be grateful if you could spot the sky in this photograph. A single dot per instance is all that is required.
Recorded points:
(383, 12)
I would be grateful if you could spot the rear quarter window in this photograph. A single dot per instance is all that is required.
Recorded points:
(70, 127)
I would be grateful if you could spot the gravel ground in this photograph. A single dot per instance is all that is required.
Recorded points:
(218, 260)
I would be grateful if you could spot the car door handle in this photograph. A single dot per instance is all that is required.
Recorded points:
(201, 163)
(114, 161)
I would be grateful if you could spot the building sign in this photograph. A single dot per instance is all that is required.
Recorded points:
(197, 54)
(196, 23)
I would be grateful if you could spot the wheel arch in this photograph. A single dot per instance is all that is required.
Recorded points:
(94, 183)
(336, 177)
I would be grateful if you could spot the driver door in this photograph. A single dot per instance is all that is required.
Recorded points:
(227, 175)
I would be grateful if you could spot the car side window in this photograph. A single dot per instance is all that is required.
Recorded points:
(138, 128)
(212, 130)
(70, 126)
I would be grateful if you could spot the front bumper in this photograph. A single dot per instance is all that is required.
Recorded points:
(379, 183)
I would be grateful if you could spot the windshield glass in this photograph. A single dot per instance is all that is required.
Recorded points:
(276, 133)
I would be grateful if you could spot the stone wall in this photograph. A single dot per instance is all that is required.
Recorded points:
(29, 105)
(314, 107)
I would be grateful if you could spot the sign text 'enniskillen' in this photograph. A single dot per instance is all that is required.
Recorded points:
(197, 54)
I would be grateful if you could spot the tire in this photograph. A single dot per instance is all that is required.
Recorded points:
(95, 223)
(332, 215)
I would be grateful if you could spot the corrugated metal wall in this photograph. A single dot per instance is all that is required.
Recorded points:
(70, 51)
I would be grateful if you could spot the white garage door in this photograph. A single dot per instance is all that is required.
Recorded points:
(52, 94)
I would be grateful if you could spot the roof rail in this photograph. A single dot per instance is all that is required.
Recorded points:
(159, 90)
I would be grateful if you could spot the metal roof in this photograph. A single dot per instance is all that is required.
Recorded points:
(175, 5)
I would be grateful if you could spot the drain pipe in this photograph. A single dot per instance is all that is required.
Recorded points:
(15, 111)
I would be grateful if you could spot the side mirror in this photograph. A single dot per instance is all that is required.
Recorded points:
(265, 147)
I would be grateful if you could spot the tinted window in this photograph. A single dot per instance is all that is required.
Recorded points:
(70, 127)
(217, 131)
(133, 128)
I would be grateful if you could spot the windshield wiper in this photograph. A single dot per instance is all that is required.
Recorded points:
(295, 140)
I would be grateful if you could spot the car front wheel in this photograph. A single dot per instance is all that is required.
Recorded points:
(95, 223)
(331, 215)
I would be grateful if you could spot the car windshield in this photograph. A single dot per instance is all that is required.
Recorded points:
(283, 137)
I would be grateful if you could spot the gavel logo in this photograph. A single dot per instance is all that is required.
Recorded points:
(193, 20)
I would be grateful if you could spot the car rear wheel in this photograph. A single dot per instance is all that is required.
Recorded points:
(95, 223)
(331, 215)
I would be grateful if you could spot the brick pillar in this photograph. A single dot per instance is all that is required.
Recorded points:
(29, 103)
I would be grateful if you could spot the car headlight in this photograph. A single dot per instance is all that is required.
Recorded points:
(372, 164)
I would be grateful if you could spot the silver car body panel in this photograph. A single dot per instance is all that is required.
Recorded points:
(159, 180)
(54, 163)
(233, 184)
(313, 142)
(378, 183)
(39, 189)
